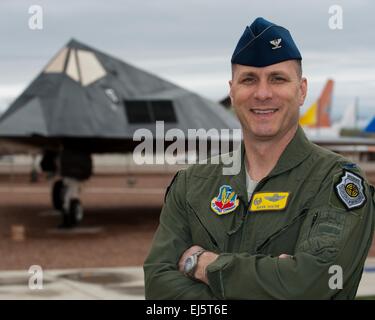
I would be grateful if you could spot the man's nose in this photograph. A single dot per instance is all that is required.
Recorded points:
(263, 91)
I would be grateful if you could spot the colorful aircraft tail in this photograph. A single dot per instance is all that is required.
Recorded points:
(318, 115)
(350, 116)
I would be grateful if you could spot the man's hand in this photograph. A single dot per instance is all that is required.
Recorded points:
(203, 261)
(186, 254)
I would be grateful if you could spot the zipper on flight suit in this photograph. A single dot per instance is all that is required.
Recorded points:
(245, 215)
(313, 221)
(246, 207)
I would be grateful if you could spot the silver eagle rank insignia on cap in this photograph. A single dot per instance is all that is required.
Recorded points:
(276, 43)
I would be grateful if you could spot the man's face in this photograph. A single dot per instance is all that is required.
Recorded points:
(267, 100)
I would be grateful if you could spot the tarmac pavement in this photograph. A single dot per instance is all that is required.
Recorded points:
(74, 284)
(106, 284)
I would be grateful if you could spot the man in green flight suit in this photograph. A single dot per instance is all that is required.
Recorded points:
(294, 217)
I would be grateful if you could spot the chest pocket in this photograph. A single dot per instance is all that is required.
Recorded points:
(200, 234)
(285, 239)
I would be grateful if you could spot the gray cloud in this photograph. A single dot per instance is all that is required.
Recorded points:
(190, 41)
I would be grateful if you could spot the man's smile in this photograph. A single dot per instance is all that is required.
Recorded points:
(267, 112)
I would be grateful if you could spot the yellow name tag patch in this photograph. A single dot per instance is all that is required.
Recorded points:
(269, 201)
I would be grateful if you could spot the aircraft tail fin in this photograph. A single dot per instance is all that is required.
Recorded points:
(318, 115)
(310, 116)
(350, 117)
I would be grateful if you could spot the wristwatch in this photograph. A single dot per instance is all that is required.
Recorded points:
(191, 263)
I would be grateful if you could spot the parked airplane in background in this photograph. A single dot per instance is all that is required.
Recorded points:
(87, 102)
(318, 115)
(316, 121)
(370, 128)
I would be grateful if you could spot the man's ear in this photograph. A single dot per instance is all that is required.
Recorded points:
(303, 88)
(230, 91)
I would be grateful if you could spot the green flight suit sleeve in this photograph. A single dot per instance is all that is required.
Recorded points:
(172, 238)
(330, 235)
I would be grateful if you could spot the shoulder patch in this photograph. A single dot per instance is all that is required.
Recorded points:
(351, 190)
(349, 165)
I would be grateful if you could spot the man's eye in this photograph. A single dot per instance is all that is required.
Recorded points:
(278, 79)
(248, 80)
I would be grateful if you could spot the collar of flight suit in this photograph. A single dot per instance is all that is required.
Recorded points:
(298, 149)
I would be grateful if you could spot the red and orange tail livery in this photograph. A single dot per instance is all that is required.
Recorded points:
(318, 115)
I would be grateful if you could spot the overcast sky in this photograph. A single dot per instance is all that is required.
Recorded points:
(190, 42)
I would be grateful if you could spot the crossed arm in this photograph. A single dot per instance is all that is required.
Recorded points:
(204, 260)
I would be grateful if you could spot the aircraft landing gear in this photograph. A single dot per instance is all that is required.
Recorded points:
(65, 198)
(58, 194)
(74, 166)
(73, 215)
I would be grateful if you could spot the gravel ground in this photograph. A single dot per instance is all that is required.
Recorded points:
(121, 216)
(116, 231)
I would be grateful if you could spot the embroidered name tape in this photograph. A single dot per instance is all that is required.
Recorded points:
(269, 201)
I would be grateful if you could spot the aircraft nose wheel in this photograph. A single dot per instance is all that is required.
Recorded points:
(58, 194)
(75, 211)
(73, 216)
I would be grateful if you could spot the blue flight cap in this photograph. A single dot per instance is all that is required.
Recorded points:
(263, 43)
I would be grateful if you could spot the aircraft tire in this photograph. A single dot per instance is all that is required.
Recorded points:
(58, 191)
(75, 212)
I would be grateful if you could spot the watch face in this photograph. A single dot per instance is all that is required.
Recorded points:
(189, 264)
